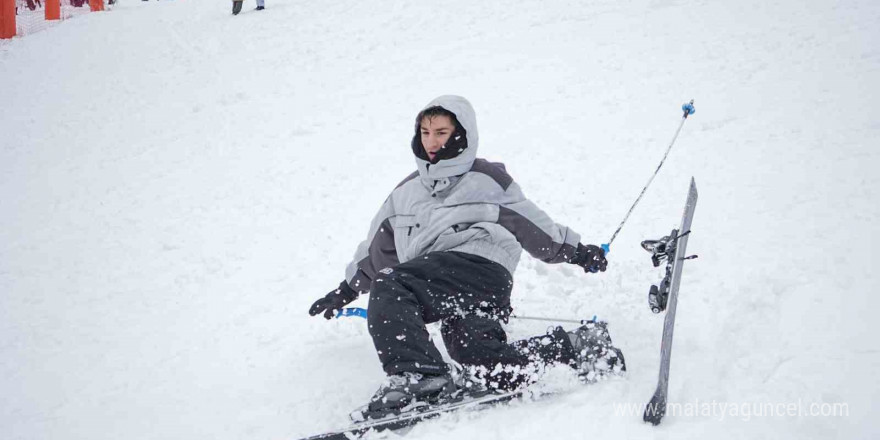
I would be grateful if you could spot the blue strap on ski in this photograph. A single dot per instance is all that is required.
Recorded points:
(352, 311)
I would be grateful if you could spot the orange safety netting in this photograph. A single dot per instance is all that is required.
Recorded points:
(24, 17)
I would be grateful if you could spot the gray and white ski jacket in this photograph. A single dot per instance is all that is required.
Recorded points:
(460, 204)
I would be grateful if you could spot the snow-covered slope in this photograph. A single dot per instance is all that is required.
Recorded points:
(177, 185)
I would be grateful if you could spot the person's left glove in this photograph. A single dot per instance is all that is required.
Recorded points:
(590, 257)
(333, 301)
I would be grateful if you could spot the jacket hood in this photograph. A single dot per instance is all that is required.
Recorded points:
(462, 163)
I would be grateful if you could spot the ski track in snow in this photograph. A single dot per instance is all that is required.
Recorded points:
(178, 185)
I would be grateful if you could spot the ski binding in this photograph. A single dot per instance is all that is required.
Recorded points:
(663, 249)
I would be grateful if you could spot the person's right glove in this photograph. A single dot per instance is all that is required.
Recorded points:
(590, 257)
(333, 301)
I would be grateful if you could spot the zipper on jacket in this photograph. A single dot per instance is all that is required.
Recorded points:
(410, 232)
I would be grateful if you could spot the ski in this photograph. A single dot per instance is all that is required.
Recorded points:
(408, 419)
(671, 248)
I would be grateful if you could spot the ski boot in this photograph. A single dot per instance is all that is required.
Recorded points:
(236, 6)
(406, 392)
(596, 358)
(260, 8)
(473, 382)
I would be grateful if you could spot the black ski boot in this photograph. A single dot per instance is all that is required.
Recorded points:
(236, 6)
(406, 392)
(596, 358)
(260, 8)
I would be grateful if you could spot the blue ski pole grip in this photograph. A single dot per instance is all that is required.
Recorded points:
(607, 248)
(352, 311)
(688, 108)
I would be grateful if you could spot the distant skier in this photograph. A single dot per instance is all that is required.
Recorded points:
(237, 4)
(443, 247)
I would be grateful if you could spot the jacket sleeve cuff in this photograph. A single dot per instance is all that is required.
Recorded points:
(578, 254)
(347, 292)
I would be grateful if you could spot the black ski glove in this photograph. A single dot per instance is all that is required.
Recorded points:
(590, 257)
(333, 301)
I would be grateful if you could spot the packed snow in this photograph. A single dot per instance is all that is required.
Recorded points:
(178, 185)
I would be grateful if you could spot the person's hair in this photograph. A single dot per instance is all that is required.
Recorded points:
(432, 112)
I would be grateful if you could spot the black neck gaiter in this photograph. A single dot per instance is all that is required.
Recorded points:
(456, 144)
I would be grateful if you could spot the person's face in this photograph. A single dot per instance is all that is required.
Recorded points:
(435, 132)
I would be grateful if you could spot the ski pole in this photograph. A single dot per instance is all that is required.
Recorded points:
(688, 109)
(362, 313)
(538, 318)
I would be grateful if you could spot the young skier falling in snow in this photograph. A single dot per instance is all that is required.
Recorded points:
(443, 247)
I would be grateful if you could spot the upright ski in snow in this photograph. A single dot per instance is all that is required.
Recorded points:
(665, 296)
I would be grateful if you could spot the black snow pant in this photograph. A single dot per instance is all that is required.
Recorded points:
(470, 295)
